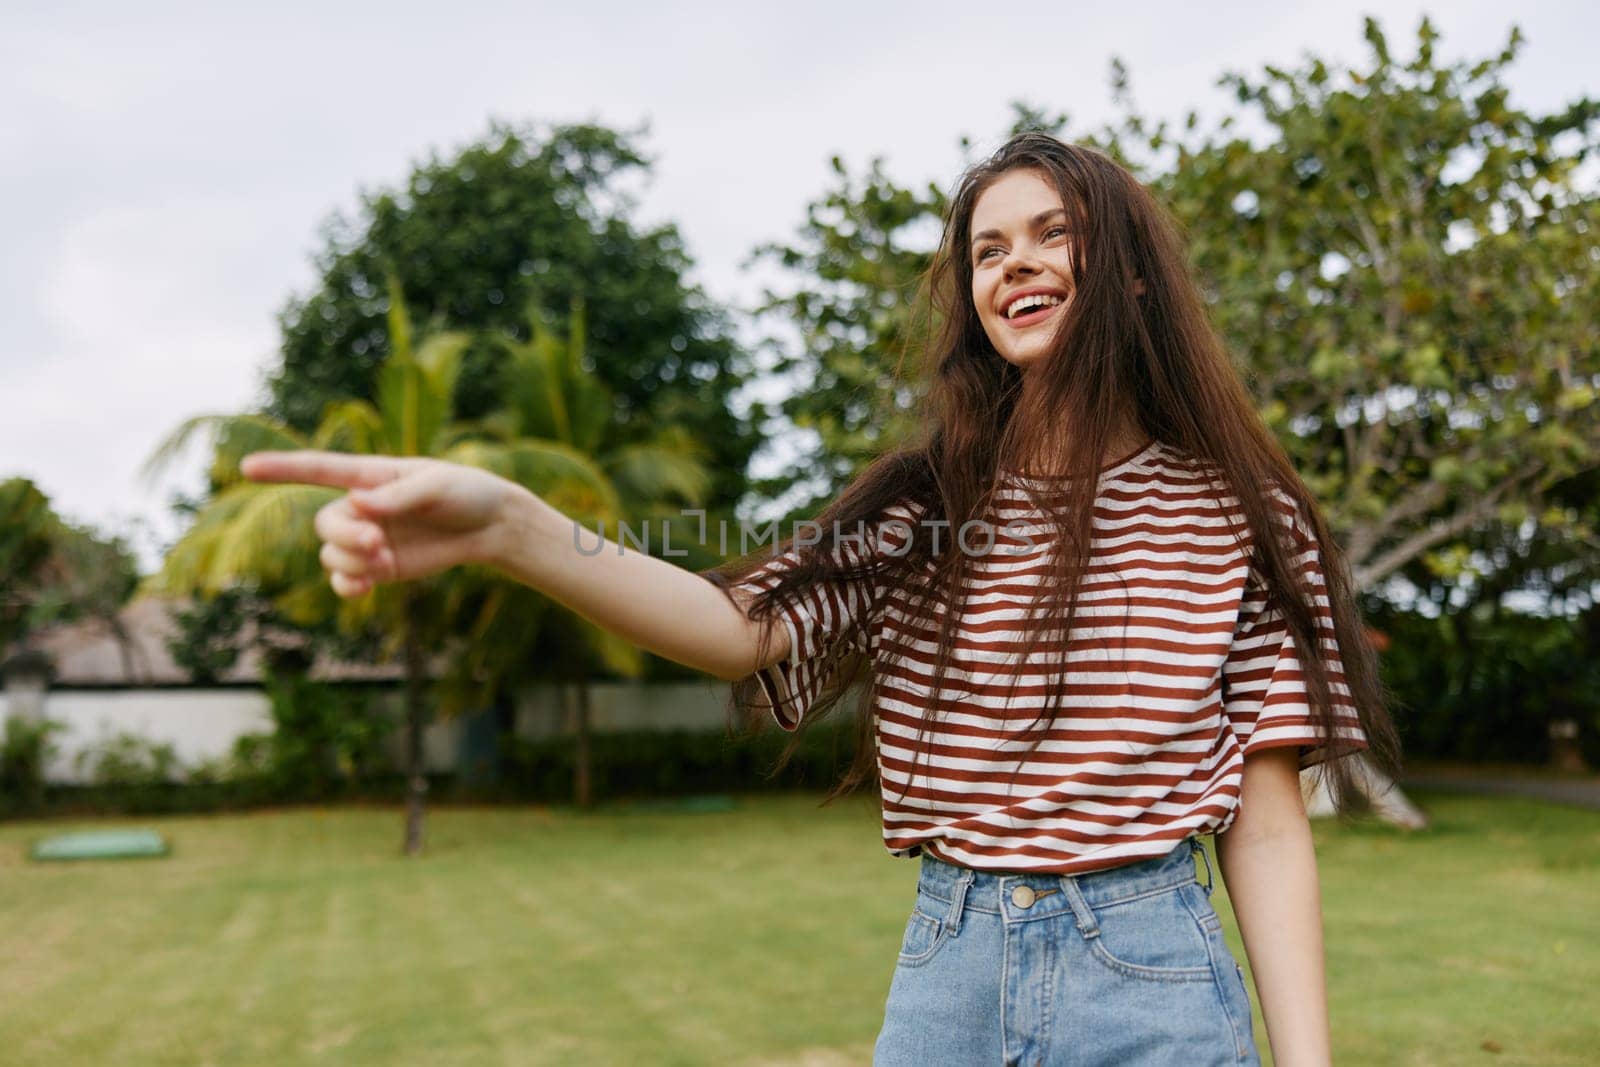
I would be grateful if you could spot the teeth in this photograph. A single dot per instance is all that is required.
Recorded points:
(1028, 303)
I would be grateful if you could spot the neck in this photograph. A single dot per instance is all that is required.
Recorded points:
(1127, 438)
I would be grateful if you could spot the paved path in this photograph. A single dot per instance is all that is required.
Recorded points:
(1583, 792)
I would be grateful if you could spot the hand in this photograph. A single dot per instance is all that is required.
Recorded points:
(403, 518)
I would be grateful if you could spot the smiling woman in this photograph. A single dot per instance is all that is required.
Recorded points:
(1022, 279)
(1150, 649)
(1021, 264)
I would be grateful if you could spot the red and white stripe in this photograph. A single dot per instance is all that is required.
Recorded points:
(1175, 671)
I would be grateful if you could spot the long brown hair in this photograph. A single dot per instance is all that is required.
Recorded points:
(1152, 359)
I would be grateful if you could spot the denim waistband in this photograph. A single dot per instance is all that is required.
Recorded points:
(987, 891)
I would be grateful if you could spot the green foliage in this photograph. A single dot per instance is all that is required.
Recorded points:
(522, 217)
(327, 740)
(209, 635)
(557, 438)
(1403, 265)
(95, 575)
(27, 527)
(853, 311)
(1486, 685)
(674, 763)
(140, 771)
(24, 751)
(1401, 262)
(262, 536)
(52, 571)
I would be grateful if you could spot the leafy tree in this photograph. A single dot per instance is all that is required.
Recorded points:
(1407, 269)
(476, 622)
(54, 571)
(94, 577)
(210, 633)
(854, 308)
(1403, 266)
(515, 218)
(264, 534)
(27, 528)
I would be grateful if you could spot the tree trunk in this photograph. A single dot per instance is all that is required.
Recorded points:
(124, 646)
(416, 711)
(584, 778)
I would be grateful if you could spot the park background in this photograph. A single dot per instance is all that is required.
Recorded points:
(666, 260)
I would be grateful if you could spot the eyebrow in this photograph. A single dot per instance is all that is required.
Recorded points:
(1036, 220)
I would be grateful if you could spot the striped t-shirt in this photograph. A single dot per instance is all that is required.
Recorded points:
(1177, 669)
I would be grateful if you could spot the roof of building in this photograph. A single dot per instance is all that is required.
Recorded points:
(88, 653)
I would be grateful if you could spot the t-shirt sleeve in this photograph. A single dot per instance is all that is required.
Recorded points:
(826, 620)
(1264, 693)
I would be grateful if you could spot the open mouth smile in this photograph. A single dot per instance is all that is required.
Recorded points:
(1030, 308)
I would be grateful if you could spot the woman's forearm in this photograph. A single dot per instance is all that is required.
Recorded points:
(663, 609)
(1269, 866)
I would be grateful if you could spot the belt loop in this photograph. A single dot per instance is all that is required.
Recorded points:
(1196, 846)
(960, 901)
(1088, 925)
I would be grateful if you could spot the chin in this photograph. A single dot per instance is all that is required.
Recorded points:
(1024, 359)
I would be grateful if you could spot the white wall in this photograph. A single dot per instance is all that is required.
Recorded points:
(200, 724)
(203, 724)
(616, 706)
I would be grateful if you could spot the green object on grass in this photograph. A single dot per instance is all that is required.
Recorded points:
(100, 845)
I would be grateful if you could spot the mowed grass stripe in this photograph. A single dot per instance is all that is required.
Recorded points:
(766, 935)
(1481, 929)
(582, 937)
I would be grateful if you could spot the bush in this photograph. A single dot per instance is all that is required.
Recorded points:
(326, 740)
(128, 760)
(23, 753)
(132, 773)
(676, 762)
(1487, 686)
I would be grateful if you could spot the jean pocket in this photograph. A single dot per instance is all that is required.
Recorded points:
(923, 937)
(1155, 936)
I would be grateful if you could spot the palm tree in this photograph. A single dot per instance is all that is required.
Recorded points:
(552, 398)
(263, 532)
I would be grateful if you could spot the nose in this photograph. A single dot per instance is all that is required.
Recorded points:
(1020, 260)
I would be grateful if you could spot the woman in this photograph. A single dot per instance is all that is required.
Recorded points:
(1086, 594)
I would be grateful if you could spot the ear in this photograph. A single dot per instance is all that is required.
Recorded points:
(1138, 287)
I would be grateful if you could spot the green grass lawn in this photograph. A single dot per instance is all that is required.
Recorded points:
(765, 935)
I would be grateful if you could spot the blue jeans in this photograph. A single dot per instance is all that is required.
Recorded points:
(1114, 968)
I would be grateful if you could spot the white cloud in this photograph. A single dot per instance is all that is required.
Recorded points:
(164, 176)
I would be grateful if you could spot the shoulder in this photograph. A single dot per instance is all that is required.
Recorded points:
(1288, 513)
(1168, 463)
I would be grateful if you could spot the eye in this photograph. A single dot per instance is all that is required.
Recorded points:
(983, 253)
(1055, 231)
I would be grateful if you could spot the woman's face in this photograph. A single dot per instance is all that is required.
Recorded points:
(1021, 264)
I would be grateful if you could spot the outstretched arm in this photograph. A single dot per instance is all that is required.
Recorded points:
(659, 607)
(1270, 868)
(407, 518)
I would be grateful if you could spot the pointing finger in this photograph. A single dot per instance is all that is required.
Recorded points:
(337, 469)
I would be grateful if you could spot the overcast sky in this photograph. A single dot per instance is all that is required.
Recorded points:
(166, 167)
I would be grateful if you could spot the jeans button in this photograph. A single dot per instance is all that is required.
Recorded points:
(1023, 896)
